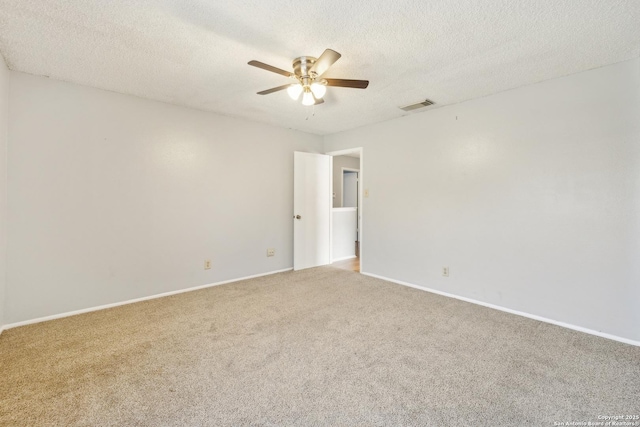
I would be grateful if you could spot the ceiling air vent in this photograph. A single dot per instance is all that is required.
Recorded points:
(411, 107)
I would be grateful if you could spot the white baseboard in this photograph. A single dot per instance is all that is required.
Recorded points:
(508, 310)
(344, 258)
(131, 301)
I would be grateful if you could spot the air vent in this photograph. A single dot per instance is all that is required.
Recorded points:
(411, 107)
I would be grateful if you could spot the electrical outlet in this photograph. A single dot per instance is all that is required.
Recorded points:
(271, 252)
(207, 264)
(445, 271)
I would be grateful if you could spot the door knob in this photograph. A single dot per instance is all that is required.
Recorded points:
(297, 217)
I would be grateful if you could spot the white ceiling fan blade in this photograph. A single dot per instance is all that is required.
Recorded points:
(326, 60)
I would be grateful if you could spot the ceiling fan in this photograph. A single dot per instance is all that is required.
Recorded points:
(307, 73)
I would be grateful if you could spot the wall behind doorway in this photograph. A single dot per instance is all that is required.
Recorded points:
(350, 189)
(340, 162)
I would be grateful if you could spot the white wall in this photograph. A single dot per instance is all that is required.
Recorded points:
(531, 197)
(113, 197)
(4, 125)
(340, 162)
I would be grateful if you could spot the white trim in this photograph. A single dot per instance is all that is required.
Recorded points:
(343, 258)
(345, 151)
(508, 310)
(331, 211)
(131, 301)
(361, 208)
(344, 209)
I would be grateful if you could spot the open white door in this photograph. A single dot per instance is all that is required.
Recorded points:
(311, 210)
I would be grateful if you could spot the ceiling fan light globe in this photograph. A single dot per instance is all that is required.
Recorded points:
(318, 90)
(294, 91)
(307, 99)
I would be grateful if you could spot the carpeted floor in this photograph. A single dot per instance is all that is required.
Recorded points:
(320, 347)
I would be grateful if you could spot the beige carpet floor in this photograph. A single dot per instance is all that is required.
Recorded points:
(321, 347)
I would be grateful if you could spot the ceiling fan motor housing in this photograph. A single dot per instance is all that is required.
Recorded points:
(302, 65)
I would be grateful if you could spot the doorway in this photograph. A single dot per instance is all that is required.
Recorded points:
(347, 209)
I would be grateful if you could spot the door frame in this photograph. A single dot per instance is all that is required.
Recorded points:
(360, 201)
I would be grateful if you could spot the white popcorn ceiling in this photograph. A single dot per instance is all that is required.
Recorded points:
(195, 52)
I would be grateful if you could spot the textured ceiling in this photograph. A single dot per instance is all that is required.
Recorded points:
(195, 52)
